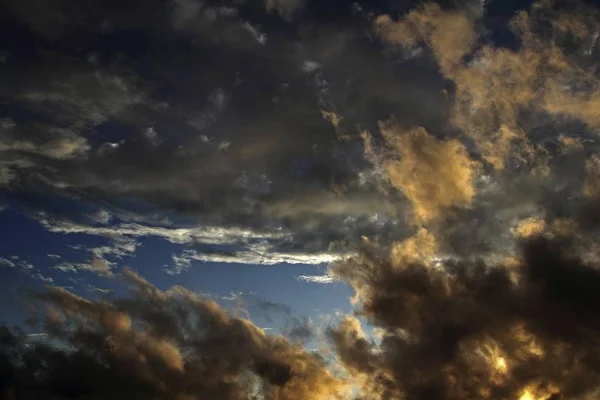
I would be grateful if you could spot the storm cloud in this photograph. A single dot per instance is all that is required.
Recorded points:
(156, 344)
(441, 158)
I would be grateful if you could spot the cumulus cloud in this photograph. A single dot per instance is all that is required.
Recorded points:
(458, 331)
(160, 344)
(470, 331)
(435, 175)
(450, 34)
(496, 85)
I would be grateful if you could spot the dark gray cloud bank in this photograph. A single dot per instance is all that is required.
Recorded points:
(442, 157)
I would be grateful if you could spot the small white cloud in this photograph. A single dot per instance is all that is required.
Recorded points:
(99, 267)
(592, 46)
(260, 37)
(42, 278)
(324, 279)
(218, 99)
(310, 66)
(16, 262)
(223, 146)
(7, 262)
(233, 296)
(152, 136)
(36, 335)
(25, 267)
(110, 146)
(94, 289)
(102, 217)
(66, 267)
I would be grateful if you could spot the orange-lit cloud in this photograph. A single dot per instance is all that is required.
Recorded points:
(435, 175)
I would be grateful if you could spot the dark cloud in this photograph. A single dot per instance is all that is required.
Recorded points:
(469, 330)
(261, 124)
(156, 344)
(299, 329)
(102, 110)
(454, 331)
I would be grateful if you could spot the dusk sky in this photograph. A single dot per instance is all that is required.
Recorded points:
(299, 200)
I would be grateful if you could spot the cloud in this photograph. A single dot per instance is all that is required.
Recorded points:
(69, 96)
(58, 143)
(255, 255)
(285, 8)
(246, 246)
(478, 275)
(464, 329)
(102, 259)
(299, 329)
(100, 267)
(101, 217)
(8, 263)
(450, 34)
(592, 169)
(496, 85)
(139, 347)
(468, 330)
(6, 176)
(316, 278)
(420, 247)
(94, 289)
(53, 20)
(153, 136)
(209, 234)
(22, 147)
(435, 175)
(260, 37)
(25, 267)
(43, 278)
(238, 142)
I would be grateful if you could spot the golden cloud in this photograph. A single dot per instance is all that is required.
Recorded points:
(435, 175)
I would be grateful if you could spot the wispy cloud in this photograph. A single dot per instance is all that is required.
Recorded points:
(94, 289)
(250, 254)
(25, 267)
(201, 235)
(247, 246)
(317, 278)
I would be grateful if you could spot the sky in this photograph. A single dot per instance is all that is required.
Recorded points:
(299, 199)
